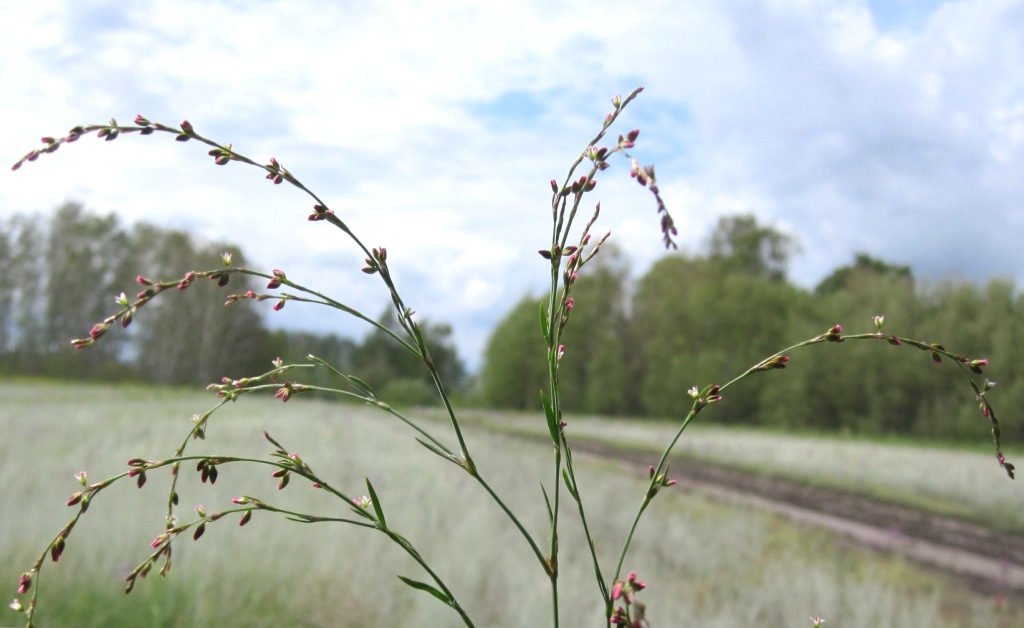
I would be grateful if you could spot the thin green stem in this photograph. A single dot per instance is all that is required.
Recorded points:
(560, 230)
(701, 402)
(515, 520)
(583, 519)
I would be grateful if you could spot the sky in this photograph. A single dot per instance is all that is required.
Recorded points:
(890, 127)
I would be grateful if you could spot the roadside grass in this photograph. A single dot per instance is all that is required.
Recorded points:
(962, 480)
(706, 563)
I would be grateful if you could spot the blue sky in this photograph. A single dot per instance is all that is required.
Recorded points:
(893, 127)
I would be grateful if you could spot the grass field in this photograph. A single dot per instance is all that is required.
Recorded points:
(706, 564)
(957, 479)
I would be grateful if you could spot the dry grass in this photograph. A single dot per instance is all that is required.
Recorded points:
(707, 564)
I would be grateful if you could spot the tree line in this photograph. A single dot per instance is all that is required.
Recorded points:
(634, 347)
(61, 274)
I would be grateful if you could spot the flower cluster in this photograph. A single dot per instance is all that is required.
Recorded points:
(633, 612)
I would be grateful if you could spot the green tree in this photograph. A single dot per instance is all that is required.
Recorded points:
(7, 286)
(664, 332)
(195, 339)
(864, 266)
(595, 371)
(84, 259)
(396, 374)
(513, 371)
(293, 347)
(982, 322)
(861, 387)
(701, 322)
(26, 342)
(743, 245)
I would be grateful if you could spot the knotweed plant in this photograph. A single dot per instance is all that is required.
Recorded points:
(572, 245)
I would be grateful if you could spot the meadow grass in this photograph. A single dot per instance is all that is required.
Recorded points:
(707, 564)
(956, 479)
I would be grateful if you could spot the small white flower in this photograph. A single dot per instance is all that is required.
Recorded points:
(363, 502)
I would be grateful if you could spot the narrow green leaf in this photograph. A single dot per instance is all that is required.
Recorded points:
(547, 500)
(550, 414)
(444, 453)
(543, 321)
(404, 543)
(569, 485)
(362, 386)
(376, 503)
(423, 586)
(280, 449)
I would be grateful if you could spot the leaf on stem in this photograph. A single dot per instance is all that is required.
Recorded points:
(423, 586)
(376, 504)
(362, 386)
(550, 414)
(569, 486)
(444, 453)
(547, 501)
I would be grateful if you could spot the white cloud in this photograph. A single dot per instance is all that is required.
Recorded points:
(892, 128)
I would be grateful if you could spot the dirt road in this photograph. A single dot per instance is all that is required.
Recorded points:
(990, 561)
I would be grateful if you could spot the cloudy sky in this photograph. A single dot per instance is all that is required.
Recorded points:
(893, 127)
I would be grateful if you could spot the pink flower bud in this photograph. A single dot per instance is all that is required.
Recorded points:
(57, 549)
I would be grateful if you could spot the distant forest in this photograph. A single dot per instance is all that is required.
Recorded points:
(60, 276)
(633, 346)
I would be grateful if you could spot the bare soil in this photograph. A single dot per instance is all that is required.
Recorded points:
(990, 561)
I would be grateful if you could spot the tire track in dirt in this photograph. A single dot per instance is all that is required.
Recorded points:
(991, 562)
